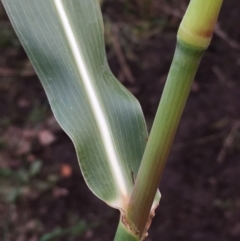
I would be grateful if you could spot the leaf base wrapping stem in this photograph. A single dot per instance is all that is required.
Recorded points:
(124, 234)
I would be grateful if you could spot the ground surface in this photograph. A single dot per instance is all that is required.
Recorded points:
(41, 187)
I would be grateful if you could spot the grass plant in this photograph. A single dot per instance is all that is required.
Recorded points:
(64, 41)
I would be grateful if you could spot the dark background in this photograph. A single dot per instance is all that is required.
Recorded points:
(41, 188)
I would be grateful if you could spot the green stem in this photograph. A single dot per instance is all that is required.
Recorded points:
(197, 26)
(194, 36)
(178, 84)
(123, 234)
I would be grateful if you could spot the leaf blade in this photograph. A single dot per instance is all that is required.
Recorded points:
(64, 40)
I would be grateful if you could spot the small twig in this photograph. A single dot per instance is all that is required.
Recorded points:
(170, 11)
(228, 142)
(224, 36)
(6, 72)
(219, 73)
(199, 141)
(120, 56)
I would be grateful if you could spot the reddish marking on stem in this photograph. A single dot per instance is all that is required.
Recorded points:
(208, 33)
(205, 33)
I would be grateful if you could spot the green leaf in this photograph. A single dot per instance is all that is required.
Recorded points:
(64, 41)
